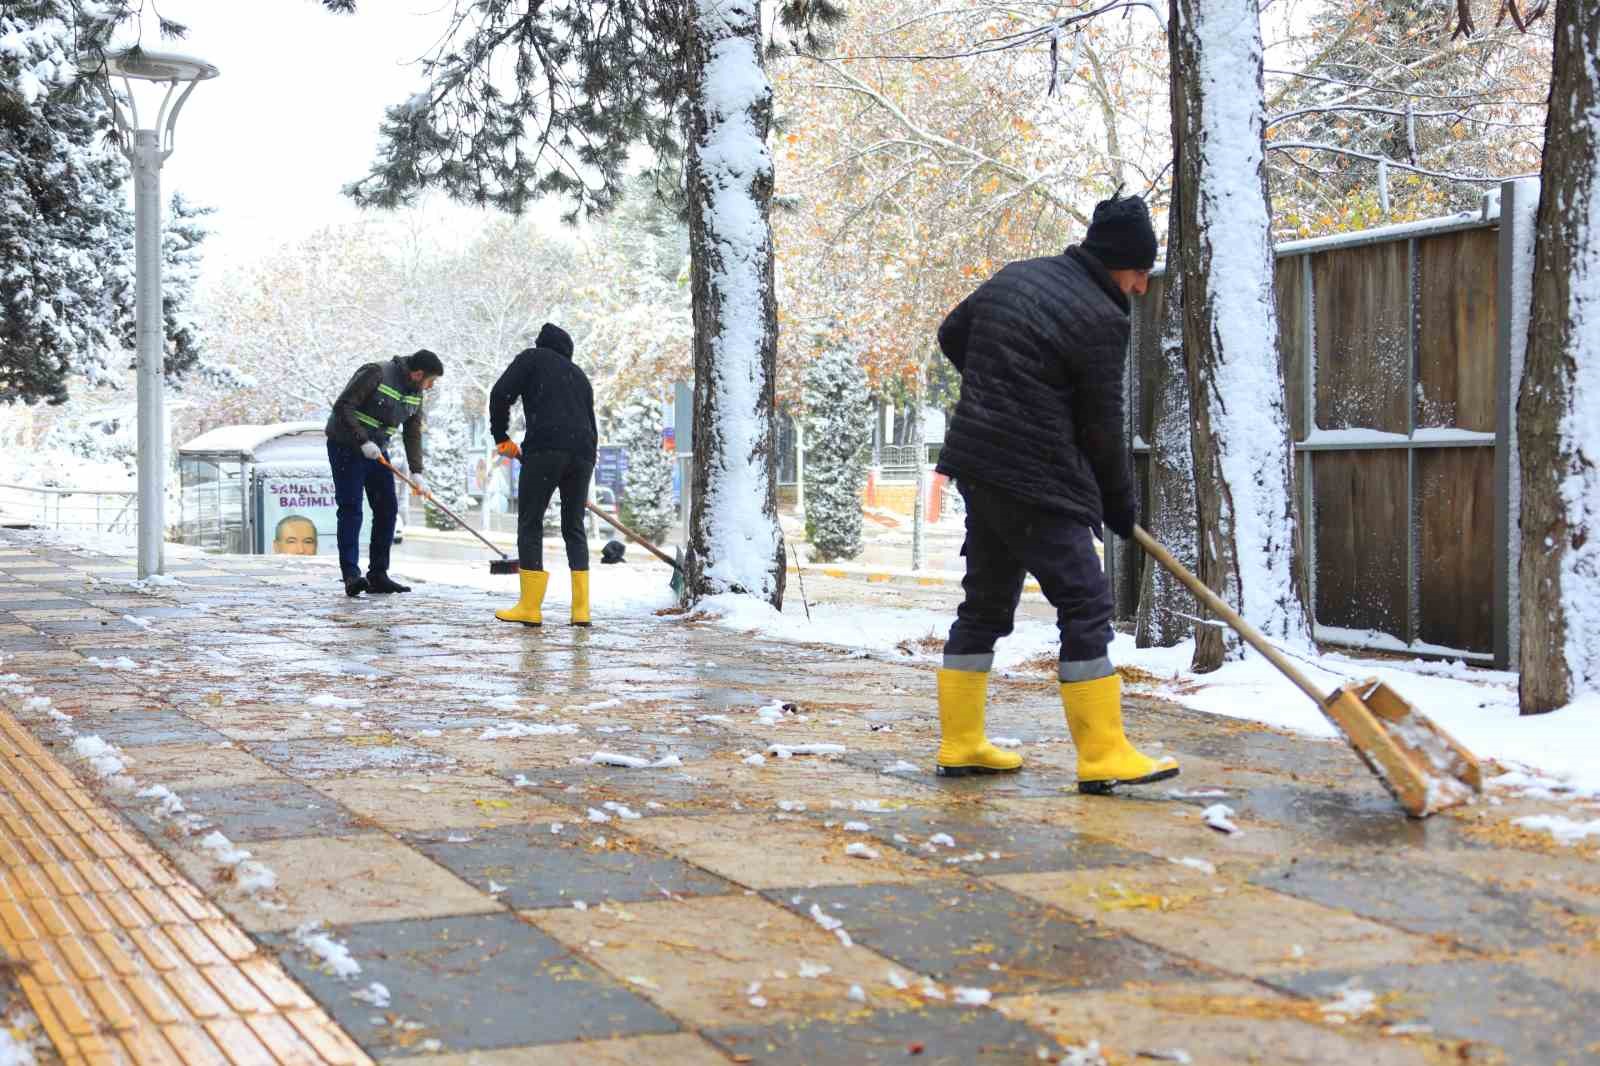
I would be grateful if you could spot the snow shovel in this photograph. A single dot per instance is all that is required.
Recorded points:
(503, 565)
(1422, 766)
(677, 569)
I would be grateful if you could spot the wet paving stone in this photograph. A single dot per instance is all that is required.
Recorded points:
(1008, 845)
(40, 603)
(313, 759)
(134, 728)
(539, 868)
(1536, 1021)
(268, 810)
(1427, 901)
(1361, 818)
(985, 937)
(472, 983)
(1261, 750)
(89, 625)
(677, 791)
(948, 1036)
(1025, 783)
(21, 643)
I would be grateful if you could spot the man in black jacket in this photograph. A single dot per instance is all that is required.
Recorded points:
(558, 454)
(380, 398)
(1036, 450)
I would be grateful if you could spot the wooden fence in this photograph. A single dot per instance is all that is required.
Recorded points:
(1396, 373)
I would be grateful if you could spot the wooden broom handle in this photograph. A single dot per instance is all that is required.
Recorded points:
(1214, 603)
(651, 548)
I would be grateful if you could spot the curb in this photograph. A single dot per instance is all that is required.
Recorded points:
(923, 579)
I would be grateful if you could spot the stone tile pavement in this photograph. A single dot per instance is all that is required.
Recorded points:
(417, 778)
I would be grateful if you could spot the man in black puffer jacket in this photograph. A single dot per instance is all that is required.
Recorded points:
(1036, 451)
(558, 454)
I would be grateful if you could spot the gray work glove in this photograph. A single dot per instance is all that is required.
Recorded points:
(371, 451)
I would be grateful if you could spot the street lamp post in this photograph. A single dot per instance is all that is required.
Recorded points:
(147, 147)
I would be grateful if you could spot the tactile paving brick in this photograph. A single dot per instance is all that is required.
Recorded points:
(121, 959)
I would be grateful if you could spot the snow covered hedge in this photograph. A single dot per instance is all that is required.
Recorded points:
(837, 433)
(647, 504)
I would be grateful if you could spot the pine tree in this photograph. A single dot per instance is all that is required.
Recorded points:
(64, 225)
(647, 481)
(837, 432)
(67, 285)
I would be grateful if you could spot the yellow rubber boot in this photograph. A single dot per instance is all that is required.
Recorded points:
(963, 749)
(527, 609)
(580, 597)
(1105, 758)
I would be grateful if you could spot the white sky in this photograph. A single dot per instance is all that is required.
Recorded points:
(294, 114)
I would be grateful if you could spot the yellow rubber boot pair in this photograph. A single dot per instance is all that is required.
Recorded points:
(527, 611)
(963, 749)
(1105, 758)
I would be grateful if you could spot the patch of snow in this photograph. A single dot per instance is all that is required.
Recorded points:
(1219, 817)
(328, 699)
(784, 751)
(332, 956)
(517, 730)
(1565, 830)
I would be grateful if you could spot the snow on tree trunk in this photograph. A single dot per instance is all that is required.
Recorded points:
(1558, 414)
(647, 481)
(735, 544)
(1240, 435)
(1165, 605)
(838, 429)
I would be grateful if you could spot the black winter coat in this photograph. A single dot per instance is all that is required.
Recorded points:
(557, 401)
(1041, 348)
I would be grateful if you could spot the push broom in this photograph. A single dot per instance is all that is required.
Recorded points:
(1424, 768)
(503, 565)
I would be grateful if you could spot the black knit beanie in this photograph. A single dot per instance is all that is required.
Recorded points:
(1120, 234)
(555, 338)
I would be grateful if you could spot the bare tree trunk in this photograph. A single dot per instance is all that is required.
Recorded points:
(1558, 413)
(1240, 436)
(1165, 605)
(735, 542)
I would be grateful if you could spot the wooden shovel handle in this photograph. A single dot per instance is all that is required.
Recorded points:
(1214, 603)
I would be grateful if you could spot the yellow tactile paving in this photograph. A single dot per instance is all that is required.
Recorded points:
(123, 960)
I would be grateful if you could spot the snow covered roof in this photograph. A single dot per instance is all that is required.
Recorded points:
(244, 440)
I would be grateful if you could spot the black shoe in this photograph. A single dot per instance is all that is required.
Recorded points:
(377, 583)
(355, 586)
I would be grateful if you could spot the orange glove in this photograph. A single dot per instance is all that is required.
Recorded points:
(509, 449)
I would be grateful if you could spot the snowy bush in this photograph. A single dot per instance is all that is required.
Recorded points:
(837, 433)
(647, 481)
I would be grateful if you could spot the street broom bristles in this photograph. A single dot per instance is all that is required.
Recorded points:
(503, 566)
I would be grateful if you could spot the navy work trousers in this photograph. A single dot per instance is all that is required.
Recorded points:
(354, 475)
(544, 473)
(1007, 539)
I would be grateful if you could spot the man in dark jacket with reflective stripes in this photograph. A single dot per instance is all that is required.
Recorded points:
(1037, 453)
(380, 398)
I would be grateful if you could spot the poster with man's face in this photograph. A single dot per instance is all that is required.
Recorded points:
(295, 535)
(299, 514)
